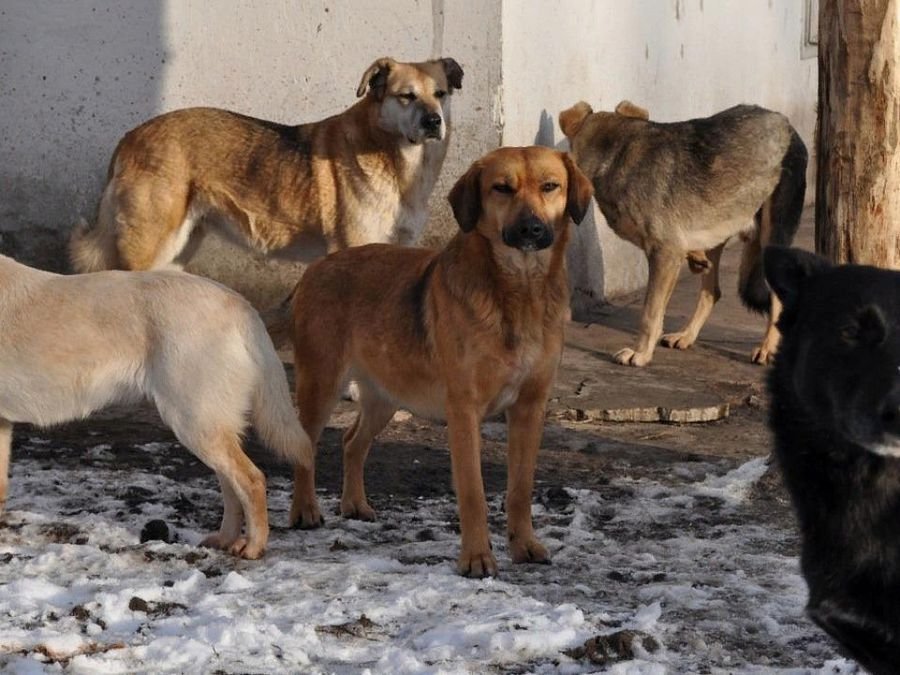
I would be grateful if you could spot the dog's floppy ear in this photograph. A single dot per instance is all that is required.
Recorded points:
(571, 119)
(629, 109)
(788, 268)
(465, 198)
(578, 196)
(375, 77)
(454, 73)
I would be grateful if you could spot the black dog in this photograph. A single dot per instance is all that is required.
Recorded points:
(835, 414)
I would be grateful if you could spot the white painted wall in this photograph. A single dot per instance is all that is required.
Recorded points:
(677, 58)
(75, 75)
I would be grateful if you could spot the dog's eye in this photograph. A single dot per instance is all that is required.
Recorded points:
(503, 188)
(549, 186)
(408, 96)
(440, 93)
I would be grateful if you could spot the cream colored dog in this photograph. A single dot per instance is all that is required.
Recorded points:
(74, 344)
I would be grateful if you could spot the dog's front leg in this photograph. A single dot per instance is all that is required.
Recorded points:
(5, 449)
(525, 426)
(664, 266)
(475, 557)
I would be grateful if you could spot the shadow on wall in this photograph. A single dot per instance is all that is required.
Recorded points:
(76, 76)
(585, 254)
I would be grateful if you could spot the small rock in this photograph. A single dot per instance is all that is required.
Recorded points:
(618, 646)
(137, 604)
(156, 530)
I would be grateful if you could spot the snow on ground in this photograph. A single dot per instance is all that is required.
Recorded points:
(698, 584)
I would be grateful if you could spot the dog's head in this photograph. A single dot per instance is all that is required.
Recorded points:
(521, 198)
(581, 117)
(413, 98)
(839, 358)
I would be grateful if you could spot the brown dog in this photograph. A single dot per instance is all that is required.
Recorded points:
(457, 334)
(682, 189)
(298, 192)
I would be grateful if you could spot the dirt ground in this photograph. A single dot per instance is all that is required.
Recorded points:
(620, 462)
(410, 458)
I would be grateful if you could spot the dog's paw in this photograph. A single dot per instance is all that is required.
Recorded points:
(308, 517)
(240, 547)
(629, 357)
(762, 355)
(477, 564)
(679, 340)
(243, 548)
(529, 551)
(357, 510)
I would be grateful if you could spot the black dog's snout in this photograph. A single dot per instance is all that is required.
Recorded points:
(431, 121)
(529, 233)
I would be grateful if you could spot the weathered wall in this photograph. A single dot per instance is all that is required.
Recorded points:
(76, 75)
(677, 58)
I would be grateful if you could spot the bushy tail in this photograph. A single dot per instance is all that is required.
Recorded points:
(780, 216)
(92, 249)
(272, 413)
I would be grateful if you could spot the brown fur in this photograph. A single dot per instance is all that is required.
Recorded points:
(361, 176)
(458, 334)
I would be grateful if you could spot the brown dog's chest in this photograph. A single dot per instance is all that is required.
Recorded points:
(513, 371)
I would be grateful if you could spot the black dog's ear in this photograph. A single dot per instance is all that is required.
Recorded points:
(788, 268)
(465, 198)
(454, 73)
(578, 196)
(375, 77)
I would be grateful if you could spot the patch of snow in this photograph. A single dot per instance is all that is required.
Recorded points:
(714, 589)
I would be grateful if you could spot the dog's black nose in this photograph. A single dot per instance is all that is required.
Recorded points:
(431, 121)
(532, 229)
(529, 233)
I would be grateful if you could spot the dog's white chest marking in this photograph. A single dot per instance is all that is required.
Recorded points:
(520, 369)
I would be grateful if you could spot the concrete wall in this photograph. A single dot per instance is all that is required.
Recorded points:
(75, 75)
(677, 58)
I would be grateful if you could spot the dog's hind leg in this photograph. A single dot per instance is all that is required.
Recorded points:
(664, 266)
(709, 296)
(374, 414)
(5, 450)
(751, 270)
(154, 222)
(244, 491)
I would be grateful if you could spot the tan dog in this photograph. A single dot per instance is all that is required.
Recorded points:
(458, 334)
(74, 344)
(298, 192)
(682, 190)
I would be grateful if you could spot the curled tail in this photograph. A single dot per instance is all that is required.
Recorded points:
(272, 413)
(776, 223)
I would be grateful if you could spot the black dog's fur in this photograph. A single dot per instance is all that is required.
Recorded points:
(835, 415)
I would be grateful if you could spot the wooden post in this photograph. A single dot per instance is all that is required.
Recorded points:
(858, 133)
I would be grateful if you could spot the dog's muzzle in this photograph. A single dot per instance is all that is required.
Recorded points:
(431, 125)
(528, 234)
